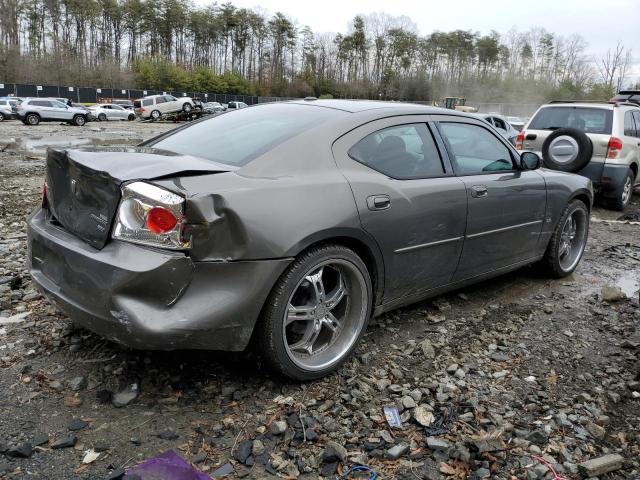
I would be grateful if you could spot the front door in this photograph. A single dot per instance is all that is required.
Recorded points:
(408, 199)
(506, 205)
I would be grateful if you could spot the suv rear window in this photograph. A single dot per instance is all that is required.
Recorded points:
(589, 120)
(243, 135)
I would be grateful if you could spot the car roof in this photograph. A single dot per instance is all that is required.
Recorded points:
(603, 105)
(355, 106)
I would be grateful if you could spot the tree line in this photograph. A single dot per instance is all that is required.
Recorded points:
(172, 44)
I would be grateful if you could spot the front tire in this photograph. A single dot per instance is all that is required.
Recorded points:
(1, 117)
(79, 120)
(131, 117)
(568, 241)
(316, 313)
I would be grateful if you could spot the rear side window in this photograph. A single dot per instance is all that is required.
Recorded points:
(588, 120)
(629, 125)
(40, 103)
(636, 117)
(476, 150)
(147, 102)
(402, 152)
(241, 136)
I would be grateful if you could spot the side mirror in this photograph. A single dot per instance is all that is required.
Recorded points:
(530, 161)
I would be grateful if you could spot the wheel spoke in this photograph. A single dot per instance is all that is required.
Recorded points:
(303, 313)
(331, 322)
(336, 295)
(305, 344)
(315, 280)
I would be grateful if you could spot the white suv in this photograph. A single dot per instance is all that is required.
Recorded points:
(32, 111)
(154, 106)
(600, 141)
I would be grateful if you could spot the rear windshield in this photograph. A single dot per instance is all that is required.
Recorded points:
(238, 137)
(589, 120)
(136, 103)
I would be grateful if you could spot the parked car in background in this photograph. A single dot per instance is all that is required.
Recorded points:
(236, 105)
(154, 106)
(632, 96)
(516, 122)
(13, 103)
(128, 104)
(32, 111)
(502, 125)
(600, 141)
(111, 111)
(6, 112)
(213, 107)
(170, 248)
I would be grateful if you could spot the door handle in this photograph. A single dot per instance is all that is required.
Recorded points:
(478, 191)
(378, 202)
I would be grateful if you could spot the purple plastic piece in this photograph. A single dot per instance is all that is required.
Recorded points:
(167, 466)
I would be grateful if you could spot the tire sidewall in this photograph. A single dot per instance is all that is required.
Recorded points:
(155, 115)
(79, 121)
(102, 117)
(32, 116)
(554, 257)
(292, 277)
(1, 117)
(187, 107)
(620, 204)
(585, 150)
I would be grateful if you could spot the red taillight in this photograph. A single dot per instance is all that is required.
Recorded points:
(614, 147)
(43, 195)
(160, 220)
(519, 141)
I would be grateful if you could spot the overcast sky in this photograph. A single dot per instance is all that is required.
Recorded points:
(601, 22)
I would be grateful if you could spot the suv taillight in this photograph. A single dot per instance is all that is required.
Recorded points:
(520, 140)
(150, 215)
(614, 147)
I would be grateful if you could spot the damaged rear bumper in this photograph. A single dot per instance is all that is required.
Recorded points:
(149, 298)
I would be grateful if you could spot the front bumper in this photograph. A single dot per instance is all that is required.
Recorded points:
(149, 298)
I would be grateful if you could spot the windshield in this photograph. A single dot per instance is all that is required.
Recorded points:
(238, 137)
(588, 120)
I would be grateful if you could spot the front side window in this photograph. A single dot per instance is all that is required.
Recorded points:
(56, 104)
(629, 125)
(161, 100)
(170, 98)
(402, 152)
(476, 150)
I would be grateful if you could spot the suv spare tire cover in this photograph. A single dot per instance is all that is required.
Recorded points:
(567, 150)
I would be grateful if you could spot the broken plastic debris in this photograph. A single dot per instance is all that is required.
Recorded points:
(167, 466)
(393, 417)
(90, 456)
(530, 378)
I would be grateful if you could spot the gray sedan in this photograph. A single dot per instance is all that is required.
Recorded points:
(306, 219)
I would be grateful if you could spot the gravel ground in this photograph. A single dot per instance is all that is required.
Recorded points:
(490, 382)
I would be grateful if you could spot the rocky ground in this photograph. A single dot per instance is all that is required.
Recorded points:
(507, 380)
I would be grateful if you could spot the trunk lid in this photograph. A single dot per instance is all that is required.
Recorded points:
(83, 185)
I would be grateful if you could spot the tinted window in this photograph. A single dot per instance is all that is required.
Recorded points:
(170, 98)
(3, 102)
(147, 102)
(56, 104)
(40, 103)
(629, 125)
(241, 136)
(476, 150)
(589, 120)
(161, 100)
(403, 151)
(636, 116)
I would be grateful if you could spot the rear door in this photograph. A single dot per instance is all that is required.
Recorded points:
(506, 206)
(408, 199)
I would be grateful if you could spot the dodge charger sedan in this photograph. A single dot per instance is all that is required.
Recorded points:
(302, 221)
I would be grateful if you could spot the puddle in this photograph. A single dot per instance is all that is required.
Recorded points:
(629, 283)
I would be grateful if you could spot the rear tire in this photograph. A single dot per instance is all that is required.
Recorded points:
(131, 117)
(32, 119)
(79, 120)
(187, 108)
(568, 241)
(155, 115)
(102, 117)
(1, 117)
(316, 313)
(623, 194)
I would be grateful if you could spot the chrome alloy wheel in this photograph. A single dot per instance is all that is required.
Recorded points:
(325, 314)
(572, 239)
